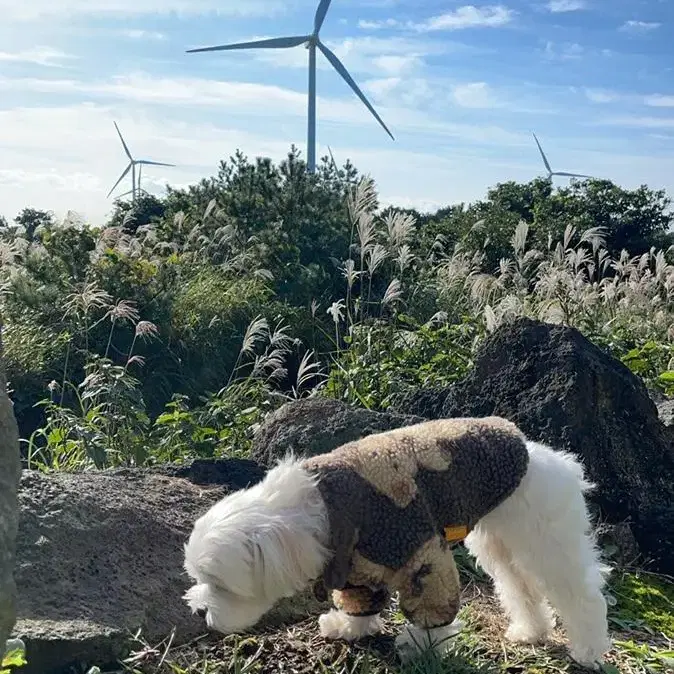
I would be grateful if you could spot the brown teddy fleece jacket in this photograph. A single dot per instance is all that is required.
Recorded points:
(397, 499)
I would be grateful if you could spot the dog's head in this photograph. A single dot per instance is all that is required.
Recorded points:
(223, 611)
(254, 547)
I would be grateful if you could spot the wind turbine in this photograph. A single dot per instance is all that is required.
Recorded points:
(345, 182)
(332, 159)
(556, 173)
(132, 167)
(312, 43)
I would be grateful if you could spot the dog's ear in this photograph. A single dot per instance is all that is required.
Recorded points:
(343, 541)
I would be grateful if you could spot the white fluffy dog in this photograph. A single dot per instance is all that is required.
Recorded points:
(271, 541)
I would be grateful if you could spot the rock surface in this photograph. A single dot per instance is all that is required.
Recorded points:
(563, 390)
(10, 469)
(666, 412)
(100, 555)
(426, 403)
(317, 425)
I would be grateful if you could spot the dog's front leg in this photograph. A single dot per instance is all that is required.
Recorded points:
(430, 590)
(356, 614)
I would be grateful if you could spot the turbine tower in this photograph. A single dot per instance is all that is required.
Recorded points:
(556, 173)
(312, 43)
(135, 187)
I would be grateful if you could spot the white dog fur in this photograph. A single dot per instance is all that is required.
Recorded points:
(537, 546)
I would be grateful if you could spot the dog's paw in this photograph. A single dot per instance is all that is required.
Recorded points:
(525, 634)
(336, 624)
(589, 653)
(581, 659)
(414, 641)
(588, 657)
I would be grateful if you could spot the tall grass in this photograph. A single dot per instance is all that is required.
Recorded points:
(404, 320)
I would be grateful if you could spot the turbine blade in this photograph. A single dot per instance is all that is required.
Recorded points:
(119, 180)
(321, 11)
(153, 163)
(272, 43)
(337, 65)
(545, 159)
(126, 149)
(334, 163)
(570, 175)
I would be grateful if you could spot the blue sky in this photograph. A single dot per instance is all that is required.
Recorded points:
(460, 85)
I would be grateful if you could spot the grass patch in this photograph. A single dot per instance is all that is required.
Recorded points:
(640, 628)
(644, 601)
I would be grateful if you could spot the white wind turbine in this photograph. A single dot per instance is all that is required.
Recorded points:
(312, 43)
(555, 173)
(346, 182)
(135, 186)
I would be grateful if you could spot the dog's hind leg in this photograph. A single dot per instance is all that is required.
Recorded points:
(546, 527)
(356, 615)
(530, 615)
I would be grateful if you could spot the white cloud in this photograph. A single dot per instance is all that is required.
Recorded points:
(601, 96)
(139, 34)
(659, 101)
(563, 52)
(263, 102)
(378, 56)
(397, 65)
(383, 86)
(560, 6)
(68, 158)
(412, 93)
(378, 25)
(34, 9)
(468, 16)
(643, 122)
(473, 95)
(43, 56)
(639, 26)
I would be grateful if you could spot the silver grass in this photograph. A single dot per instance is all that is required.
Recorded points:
(404, 258)
(209, 209)
(179, 220)
(362, 198)
(336, 310)
(519, 238)
(123, 310)
(376, 256)
(309, 369)
(393, 293)
(256, 333)
(350, 272)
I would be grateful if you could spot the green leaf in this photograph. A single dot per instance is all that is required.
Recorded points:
(14, 658)
(56, 436)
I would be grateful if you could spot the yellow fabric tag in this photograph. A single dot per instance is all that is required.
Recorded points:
(456, 533)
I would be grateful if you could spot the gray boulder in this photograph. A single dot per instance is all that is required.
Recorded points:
(10, 469)
(100, 556)
(563, 390)
(666, 412)
(317, 425)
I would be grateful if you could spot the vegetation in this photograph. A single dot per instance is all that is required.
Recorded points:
(639, 648)
(170, 331)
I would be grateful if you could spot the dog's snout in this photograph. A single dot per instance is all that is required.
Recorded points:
(201, 612)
